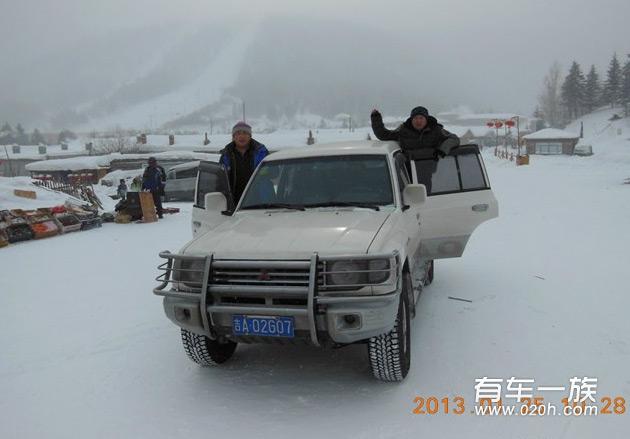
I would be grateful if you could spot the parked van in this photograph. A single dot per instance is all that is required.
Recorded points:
(181, 181)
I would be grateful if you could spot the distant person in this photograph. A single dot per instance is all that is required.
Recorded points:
(241, 157)
(122, 189)
(420, 131)
(136, 184)
(153, 180)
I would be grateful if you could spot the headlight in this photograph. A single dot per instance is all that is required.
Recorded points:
(358, 272)
(379, 270)
(346, 273)
(189, 272)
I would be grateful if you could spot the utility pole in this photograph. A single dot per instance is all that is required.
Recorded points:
(9, 161)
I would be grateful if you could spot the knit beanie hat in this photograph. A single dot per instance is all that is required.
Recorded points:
(241, 126)
(419, 111)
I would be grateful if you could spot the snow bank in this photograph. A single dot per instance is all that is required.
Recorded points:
(45, 197)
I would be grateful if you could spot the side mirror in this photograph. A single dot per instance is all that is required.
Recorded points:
(414, 195)
(215, 202)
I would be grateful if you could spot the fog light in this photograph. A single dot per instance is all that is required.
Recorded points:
(350, 319)
(182, 314)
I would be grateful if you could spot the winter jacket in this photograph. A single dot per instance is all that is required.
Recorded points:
(153, 178)
(229, 161)
(122, 190)
(433, 136)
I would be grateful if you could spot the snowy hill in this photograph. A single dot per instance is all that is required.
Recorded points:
(610, 138)
(206, 75)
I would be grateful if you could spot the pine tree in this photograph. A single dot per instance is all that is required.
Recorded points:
(21, 138)
(572, 91)
(625, 87)
(65, 135)
(37, 138)
(612, 88)
(592, 91)
(7, 135)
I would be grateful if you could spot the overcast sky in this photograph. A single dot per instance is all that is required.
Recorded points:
(497, 52)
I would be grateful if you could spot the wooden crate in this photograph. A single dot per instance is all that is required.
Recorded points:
(25, 194)
(148, 207)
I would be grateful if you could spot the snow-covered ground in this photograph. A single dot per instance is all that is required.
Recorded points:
(87, 351)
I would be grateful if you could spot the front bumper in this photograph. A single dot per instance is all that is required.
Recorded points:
(320, 318)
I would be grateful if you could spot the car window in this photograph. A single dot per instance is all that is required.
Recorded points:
(458, 172)
(401, 171)
(322, 180)
(211, 179)
(471, 172)
(187, 173)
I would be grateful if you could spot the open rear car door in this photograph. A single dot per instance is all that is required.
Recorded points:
(210, 178)
(459, 199)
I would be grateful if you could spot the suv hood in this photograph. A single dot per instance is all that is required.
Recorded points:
(291, 234)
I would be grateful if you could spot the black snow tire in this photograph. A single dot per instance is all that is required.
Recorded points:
(204, 351)
(390, 355)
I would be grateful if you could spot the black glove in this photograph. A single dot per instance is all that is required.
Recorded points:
(438, 154)
(375, 113)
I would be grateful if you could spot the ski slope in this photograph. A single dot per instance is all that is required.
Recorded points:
(87, 351)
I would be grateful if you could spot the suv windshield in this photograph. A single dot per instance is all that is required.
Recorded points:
(350, 180)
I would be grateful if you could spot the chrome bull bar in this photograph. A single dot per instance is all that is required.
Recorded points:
(191, 277)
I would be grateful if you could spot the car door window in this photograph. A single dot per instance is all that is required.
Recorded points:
(460, 171)
(401, 171)
(471, 172)
(212, 178)
(187, 173)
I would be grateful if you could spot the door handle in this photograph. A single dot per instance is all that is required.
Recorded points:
(480, 207)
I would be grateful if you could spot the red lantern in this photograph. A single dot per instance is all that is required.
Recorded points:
(498, 124)
(510, 123)
(490, 124)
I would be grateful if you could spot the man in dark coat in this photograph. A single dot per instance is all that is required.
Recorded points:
(419, 132)
(241, 157)
(422, 138)
(153, 180)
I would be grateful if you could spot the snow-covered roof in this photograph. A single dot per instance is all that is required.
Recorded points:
(104, 161)
(551, 133)
(354, 147)
(477, 131)
(70, 164)
(488, 116)
(31, 152)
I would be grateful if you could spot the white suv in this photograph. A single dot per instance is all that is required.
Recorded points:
(329, 245)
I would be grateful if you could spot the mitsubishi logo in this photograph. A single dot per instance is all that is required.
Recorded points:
(264, 275)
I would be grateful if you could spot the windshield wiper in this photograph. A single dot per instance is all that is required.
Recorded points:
(345, 204)
(274, 206)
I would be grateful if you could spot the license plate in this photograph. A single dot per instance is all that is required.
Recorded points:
(266, 326)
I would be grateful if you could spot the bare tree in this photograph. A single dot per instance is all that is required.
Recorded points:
(550, 100)
(117, 141)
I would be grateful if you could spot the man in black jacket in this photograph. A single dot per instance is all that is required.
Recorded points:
(153, 180)
(240, 157)
(419, 132)
(422, 138)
